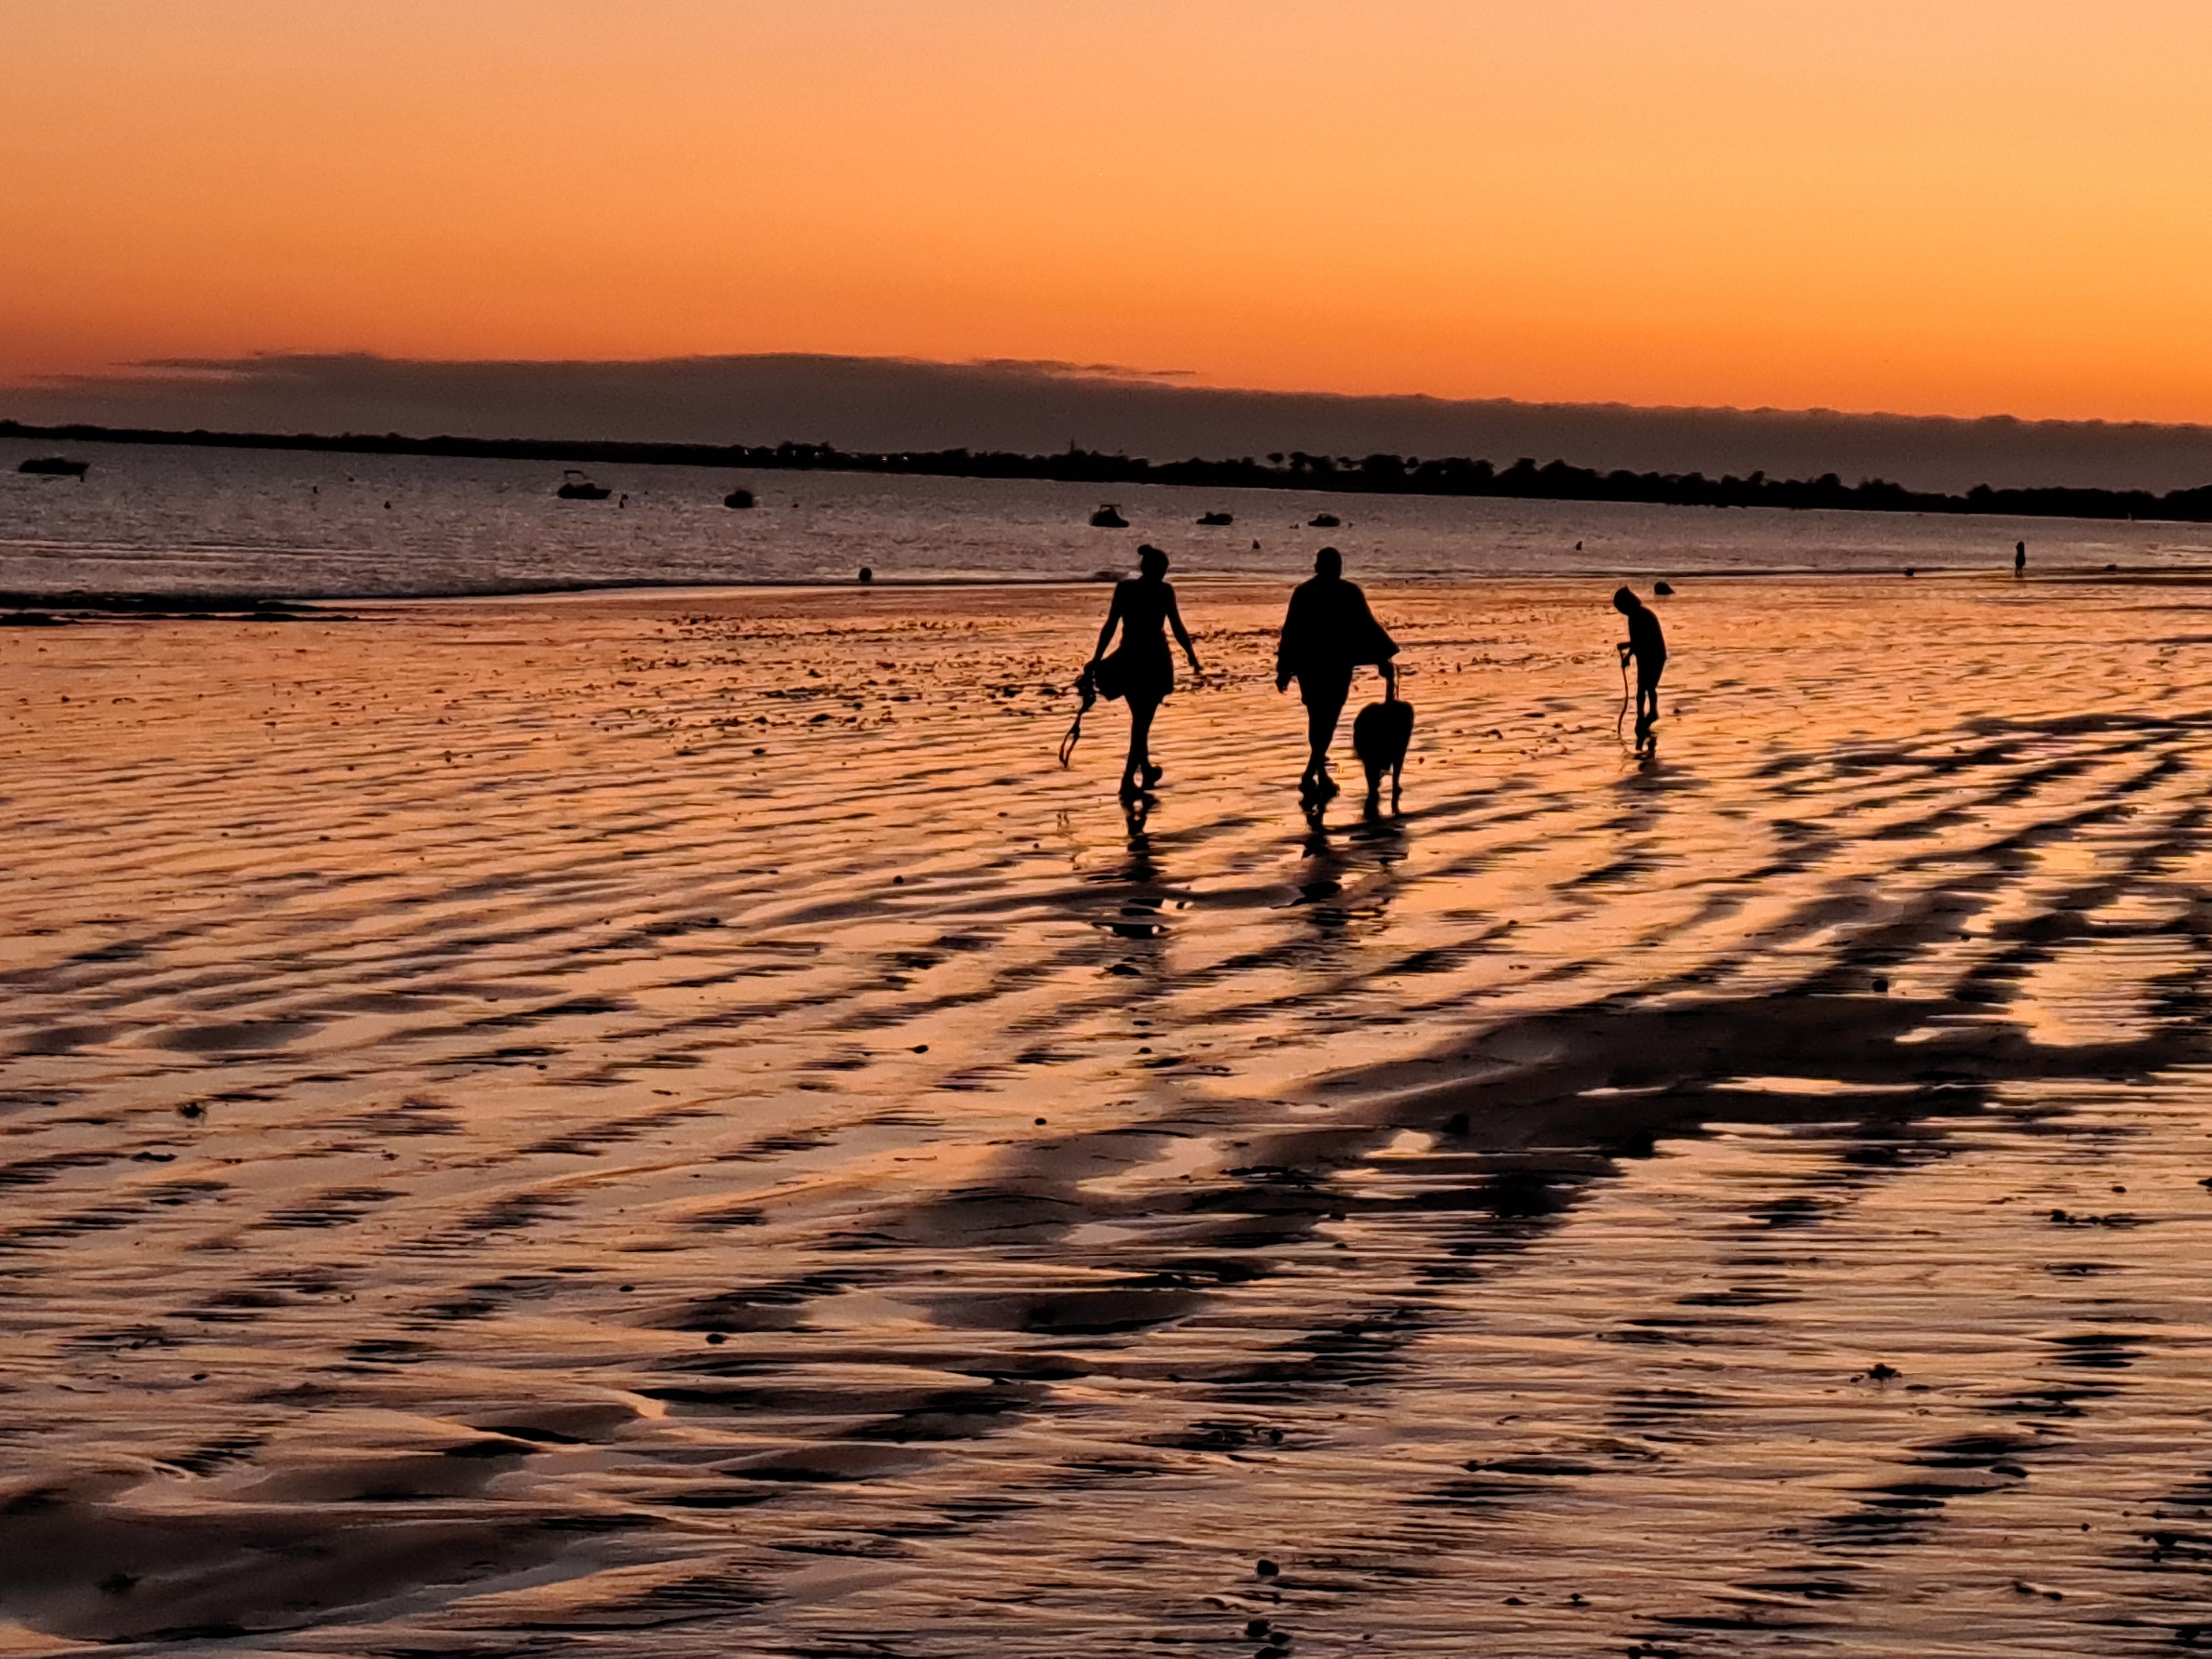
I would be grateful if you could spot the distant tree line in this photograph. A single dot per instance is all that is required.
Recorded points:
(1392, 475)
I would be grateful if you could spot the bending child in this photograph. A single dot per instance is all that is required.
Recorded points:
(1648, 646)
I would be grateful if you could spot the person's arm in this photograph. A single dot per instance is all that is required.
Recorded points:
(1182, 634)
(1376, 644)
(1113, 615)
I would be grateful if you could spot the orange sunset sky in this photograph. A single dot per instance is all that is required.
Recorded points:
(1956, 206)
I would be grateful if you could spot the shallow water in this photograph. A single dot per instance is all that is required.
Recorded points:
(547, 1127)
(155, 519)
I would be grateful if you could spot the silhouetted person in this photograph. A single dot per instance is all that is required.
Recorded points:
(1141, 669)
(1648, 646)
(1327, 633)
(2020, 559)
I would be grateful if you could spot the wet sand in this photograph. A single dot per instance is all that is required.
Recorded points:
(668, 1125)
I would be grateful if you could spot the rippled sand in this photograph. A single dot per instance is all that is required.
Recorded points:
(670, 1127)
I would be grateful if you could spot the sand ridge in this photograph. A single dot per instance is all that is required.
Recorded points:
(669, 1122)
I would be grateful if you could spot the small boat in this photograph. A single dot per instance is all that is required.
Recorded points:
(54, 466)
(576, 487)
(1323, 521)
(1217, 517)
(738, 498)
(1108, 518)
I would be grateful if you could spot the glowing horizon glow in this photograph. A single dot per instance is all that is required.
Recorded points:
(1951, 207)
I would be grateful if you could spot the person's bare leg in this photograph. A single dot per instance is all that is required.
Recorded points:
(1141, 737)
(1321, 732)
(1647, 704)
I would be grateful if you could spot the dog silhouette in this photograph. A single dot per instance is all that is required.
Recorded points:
(1379, 737)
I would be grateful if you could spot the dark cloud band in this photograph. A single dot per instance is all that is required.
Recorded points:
(1030, 407)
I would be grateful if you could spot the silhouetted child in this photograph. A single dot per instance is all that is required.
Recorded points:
(1327, 633)
(1648, 646)
(2019, 558)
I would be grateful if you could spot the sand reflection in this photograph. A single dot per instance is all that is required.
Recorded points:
(608, 1123)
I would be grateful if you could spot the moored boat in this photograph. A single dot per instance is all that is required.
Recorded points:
(576, 487)
(54, 466)
(1108, 517)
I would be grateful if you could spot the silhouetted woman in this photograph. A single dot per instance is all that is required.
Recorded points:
(1141, 669)
(1328, 632)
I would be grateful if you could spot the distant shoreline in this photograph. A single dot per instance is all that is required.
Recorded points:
(1373, 475)
(16, 604)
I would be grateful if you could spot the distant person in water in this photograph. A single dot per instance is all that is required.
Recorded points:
(1327, 634)
(2019, 558)
(1648, 646)
(1140, 669)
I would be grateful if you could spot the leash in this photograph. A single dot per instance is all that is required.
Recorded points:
(1089, 695)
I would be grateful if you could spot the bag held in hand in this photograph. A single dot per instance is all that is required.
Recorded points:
(1087, 689)
(1110, 676)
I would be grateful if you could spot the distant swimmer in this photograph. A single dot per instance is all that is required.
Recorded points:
(2019, 558)
(1140, 669)
(1327, 633)
(1647, 645)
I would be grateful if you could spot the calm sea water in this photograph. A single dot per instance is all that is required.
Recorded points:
(155, 519)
